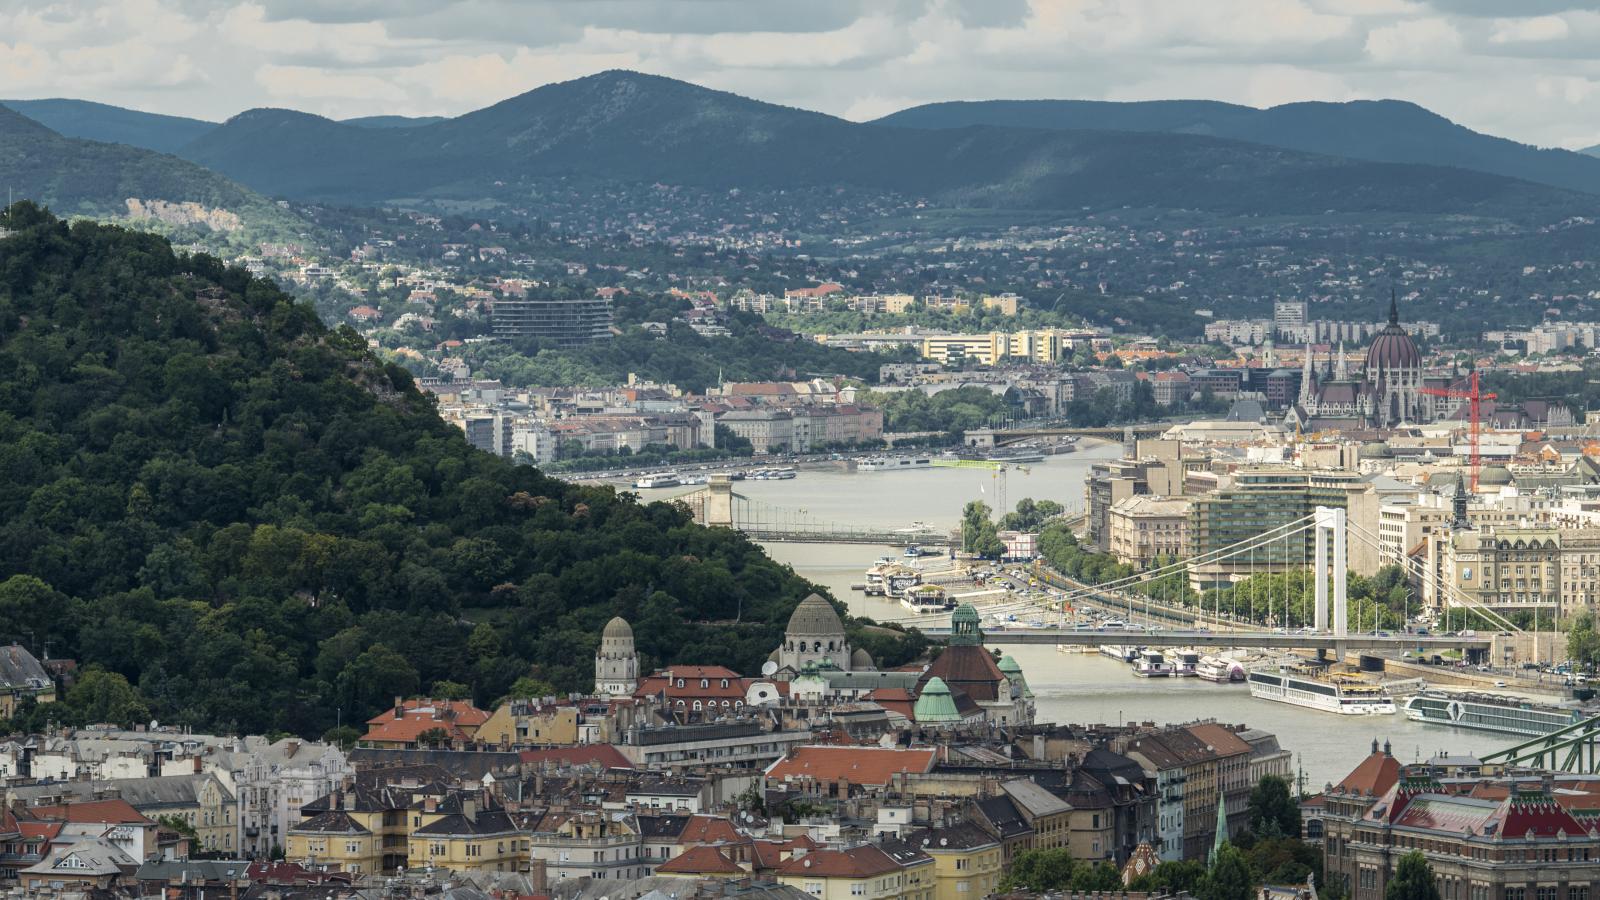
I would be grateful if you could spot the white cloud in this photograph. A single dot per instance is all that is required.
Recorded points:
(1538, 28)
(1412, 41)
(1525, 70)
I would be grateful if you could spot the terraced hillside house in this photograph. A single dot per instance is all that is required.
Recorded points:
(22, 677)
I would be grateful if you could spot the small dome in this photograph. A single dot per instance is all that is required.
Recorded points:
(935, 704)
(861, 660)
(1008, 664)
(617, 628)
(1376, 450)
(1496, 476)
(815, 616)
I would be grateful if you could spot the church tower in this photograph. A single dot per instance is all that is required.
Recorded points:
(616, 664)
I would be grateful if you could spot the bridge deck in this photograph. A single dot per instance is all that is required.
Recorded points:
(1296, 641)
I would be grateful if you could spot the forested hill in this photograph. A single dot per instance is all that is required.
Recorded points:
(93, 178)
(626, 127)
(1380, 130)
(263, 528)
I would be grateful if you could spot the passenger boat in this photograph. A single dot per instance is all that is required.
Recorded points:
(1120, 652)
(1219, 669)
(893, 463)
(899, 579)
(1186, 663)
(1151, 664)
(1490, 712)
(659, 480)
(1335, 695)
(781, 473)
(925, 598)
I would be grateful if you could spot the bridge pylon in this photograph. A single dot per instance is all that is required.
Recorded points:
(718, 504)
(1331, 560)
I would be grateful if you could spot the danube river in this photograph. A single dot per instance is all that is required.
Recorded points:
(1070, 687)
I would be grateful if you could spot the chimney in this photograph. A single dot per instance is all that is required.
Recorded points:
(399, 707)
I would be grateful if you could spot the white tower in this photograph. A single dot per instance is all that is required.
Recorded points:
(616, 665)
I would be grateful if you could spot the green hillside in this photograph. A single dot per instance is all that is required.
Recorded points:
(93, 178)
(112, 124)
(627, 127)
(263, 528)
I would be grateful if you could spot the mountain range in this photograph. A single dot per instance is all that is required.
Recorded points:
(618, 126)
(96, 178)
(1378, 130)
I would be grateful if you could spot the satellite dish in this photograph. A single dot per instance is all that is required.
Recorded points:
(768, 667)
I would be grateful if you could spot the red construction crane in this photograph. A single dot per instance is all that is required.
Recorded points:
(1474, 397)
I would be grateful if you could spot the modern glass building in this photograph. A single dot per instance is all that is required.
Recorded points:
(568, 322)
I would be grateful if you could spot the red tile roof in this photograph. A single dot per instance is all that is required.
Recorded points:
(701, 860)
(862, 862)
(709, 830)
(871, 766)
(968, 668)
(586, 755)
(110, 812)
(1375, 775)
(457, 718)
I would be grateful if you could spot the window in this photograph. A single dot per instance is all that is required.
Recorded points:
(352, 847)
(814, 888)
(962, 864)
(858, 889)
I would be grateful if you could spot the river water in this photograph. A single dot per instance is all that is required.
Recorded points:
(1069, 687)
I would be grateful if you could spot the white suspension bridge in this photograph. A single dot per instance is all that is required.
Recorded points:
(1314, 546)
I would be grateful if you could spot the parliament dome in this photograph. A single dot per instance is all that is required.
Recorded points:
(1393, 348)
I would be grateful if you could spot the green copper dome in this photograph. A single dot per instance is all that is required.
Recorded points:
(935, 704)
(1013, 671)
(964, 626)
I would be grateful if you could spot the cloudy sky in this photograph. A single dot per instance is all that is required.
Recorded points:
(1527, 69)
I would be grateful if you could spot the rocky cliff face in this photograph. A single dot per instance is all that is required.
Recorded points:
(185, 213)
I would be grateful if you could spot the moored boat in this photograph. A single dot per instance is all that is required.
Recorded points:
(1490, 712)
(1330, 694)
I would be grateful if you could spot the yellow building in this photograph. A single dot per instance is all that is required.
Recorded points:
(340, 839)
(473, 840)
(893, 871)
(1048, 815)
(967, 860)
(1005, 304)
(520, 723)
(22, 676)
(1042, 346)
(367, 829)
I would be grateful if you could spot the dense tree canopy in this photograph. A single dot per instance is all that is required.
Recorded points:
(259, 527)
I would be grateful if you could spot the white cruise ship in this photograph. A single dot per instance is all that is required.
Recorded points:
(659, 480)
(893, 463)
(1332, 695)
(1490, 712)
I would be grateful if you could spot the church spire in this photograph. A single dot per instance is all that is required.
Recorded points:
(1394, 309)
(1342, 373)
(1308, 379)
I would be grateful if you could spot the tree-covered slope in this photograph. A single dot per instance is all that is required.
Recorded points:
(89, 177)
(627, 127)
(1378, 130)
(262, 527)
(112, 124)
